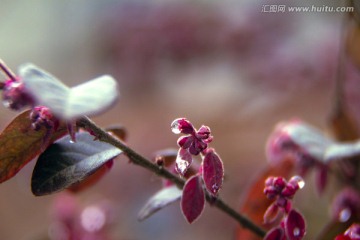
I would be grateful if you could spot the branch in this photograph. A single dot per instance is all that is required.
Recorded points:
(7, 71)
(137, 159)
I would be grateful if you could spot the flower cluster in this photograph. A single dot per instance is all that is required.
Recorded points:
(193, 143)
(281, 191)
(196, 141)
(41, 116)
(208, 177)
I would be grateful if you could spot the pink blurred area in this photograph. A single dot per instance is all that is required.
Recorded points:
(225, 65)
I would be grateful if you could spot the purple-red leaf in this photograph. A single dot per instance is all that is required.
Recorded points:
(213, 172)
(66, 163)
(193, 199)
(275, 234)
(161, 199)
(19, 144)
(295, 225)
(321, 174)
(271, 214)
(183, 161)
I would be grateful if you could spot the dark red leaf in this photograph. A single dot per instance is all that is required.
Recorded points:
(275, 234)
(343, 237)
(213, 172)
(161, 199)
(193, 199)
(66, 163)
(295, 226)
(19, 144)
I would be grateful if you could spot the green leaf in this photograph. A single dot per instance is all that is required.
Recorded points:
(66, 163)
(19, 144)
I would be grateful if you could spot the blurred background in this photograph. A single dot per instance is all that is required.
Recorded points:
(223, 64)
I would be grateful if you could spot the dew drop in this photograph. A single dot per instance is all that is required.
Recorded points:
(296, 232)
(299, 180)
(175, 127)
(344, 215)
(93, 219)
(71, 141)
(182, 165)
(6, 103)
(215, 187)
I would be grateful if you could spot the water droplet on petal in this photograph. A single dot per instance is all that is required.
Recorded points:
(182, 165)
(344, 215)
(215, 187)
(175, 127)
(299, 180)
(296, 232)
(71, 141)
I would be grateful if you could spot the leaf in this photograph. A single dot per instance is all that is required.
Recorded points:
(275, 234)
(298, 137)
(118, 131)
(19, 144)
(193, 199)
(89, 98)
(255, 203)
(213, 172)
(65, 163)
(295, 226)
(93, 178)
(161, 199)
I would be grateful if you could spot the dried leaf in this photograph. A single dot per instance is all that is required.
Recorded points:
(65, 163)
(19, 144)
(118, 131)
(161, 199)
(193, 199)
(213, 172)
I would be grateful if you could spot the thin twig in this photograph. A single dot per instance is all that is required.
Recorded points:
(137, 159)
(7, 71)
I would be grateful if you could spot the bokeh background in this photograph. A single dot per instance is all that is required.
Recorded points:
(223, 64)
